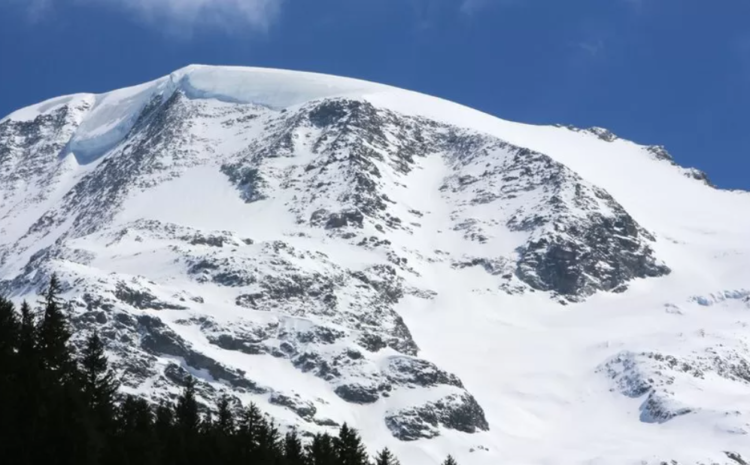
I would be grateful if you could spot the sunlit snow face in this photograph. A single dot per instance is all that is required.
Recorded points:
(365, 234)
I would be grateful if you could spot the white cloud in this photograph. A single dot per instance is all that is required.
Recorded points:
(593, 48)
(180, 16)
(474, 6)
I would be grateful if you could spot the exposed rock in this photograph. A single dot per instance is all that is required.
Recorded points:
(415, 372)
(248, 180)
(655, 377)
(357, 394)
(659, 152)
(699, 175)
(158, 339)
(578, 239)
(343, 219)
(736, 457)
(604, 256)
(458, 412)
(657, 409)
(304, 409)
(142, 299)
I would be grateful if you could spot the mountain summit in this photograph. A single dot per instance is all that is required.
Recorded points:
(339, 251)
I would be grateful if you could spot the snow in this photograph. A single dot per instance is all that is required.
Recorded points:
(109, 120)
(33, 111)
(535, 366)
(269, 87)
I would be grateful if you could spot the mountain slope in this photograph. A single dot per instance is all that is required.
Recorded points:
(341, 251)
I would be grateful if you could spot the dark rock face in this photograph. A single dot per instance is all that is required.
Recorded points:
(655, 410)
(601, 133)
(579, 239)
(229, 342)
(412, 426)
(467, 416)
(659, 152)
(32, 147)
(699, 175)
(461, 413)
(497, 266)
(342, 112)
(142, 299)
(177, 374)
(411, 371)
(655, 377)
(158, 339)
(357, 394)
(611, 250)
(736, 457)
(225, 271)
(343, 219)
(248, 180)
(604, 134)
(304, 409)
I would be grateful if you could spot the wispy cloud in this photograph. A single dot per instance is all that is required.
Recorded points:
(35, 10)
(474, 6)
(176, 15)
(184, 16)
(593, 48)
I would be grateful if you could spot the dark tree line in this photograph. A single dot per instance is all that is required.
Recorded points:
(58, 406)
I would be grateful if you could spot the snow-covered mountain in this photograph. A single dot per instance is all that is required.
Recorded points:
(341, 251)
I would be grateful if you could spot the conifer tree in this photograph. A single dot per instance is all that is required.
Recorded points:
(271, 448)
(99, 382)
(134, 441)
(250, 432)
(321, 451)
(221, 433)
(164, 429)
(349, 447)
(10, 329)
(225, 422)
(450, 461)
(187, 424)
(99, 388)
(30, 401)
(293, 451)
(62, 414)
(186, 413)
(53, 336)
(27, 336)
(385, 457)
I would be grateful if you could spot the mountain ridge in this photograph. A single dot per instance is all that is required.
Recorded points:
(358, 253)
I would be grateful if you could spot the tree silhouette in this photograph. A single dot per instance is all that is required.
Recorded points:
(349, 447)
(60, 407)
(450, 461)
(385, 457)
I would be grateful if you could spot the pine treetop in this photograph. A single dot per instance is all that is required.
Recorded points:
(450, 461)
(386, 457)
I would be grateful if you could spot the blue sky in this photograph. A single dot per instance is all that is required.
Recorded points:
(671, 72)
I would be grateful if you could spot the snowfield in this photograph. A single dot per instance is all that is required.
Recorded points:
(337, 251)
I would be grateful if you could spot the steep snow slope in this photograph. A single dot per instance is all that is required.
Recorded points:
(341, 251)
